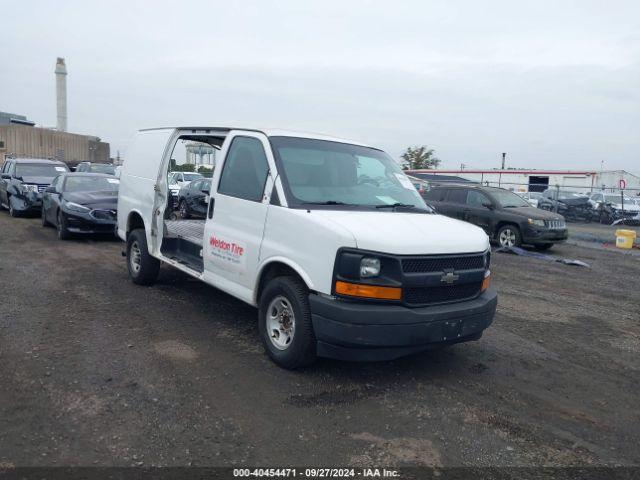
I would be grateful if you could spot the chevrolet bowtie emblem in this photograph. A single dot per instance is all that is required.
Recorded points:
(449, 278)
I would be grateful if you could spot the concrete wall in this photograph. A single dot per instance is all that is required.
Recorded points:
(24, 141)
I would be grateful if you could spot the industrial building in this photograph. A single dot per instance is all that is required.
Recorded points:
(19, 137)
(14, 119)
(25, 141)
(537, 180)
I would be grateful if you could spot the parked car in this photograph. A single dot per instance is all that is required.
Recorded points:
(92, 167)
(193, 198)
(22, 182)
(182, 178)
(174, 189)
(328, 238)
(506, 217)
(610, 207)
(531, 197)
(571, 205)
(81, 203)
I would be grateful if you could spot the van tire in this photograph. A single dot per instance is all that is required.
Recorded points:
(301, 352)
(143, 268)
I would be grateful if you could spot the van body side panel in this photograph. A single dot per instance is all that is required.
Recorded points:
(138, 177)
(308, 240)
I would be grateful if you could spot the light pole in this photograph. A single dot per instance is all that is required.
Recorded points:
(504, 156)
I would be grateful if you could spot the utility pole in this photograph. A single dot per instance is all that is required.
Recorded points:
(504, 156)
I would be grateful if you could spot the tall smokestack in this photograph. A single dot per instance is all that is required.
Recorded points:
(61, 94)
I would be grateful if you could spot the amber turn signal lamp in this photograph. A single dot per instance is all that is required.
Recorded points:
(486, 282)
(368, 291)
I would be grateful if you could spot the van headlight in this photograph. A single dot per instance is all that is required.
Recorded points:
(369, 267)
(29, 188)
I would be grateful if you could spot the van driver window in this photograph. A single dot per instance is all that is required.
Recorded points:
(245, 170)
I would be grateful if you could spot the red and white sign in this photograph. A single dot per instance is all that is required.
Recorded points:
(622, 183)
(229, 255)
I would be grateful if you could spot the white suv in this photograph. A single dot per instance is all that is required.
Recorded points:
(327, 237)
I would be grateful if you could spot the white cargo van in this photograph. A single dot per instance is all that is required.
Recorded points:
(327, 237)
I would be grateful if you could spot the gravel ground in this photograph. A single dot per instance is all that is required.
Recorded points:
(596, 232)
(97, 371)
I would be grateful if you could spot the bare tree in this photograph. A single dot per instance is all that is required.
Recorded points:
(419, 157)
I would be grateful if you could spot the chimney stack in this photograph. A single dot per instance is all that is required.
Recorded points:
(61, 94)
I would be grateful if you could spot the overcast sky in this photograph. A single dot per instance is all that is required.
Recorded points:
(554, 84)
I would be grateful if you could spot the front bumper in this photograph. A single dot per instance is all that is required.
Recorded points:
(372, 332)
(544, 235)
(27, 202)
(85, 223)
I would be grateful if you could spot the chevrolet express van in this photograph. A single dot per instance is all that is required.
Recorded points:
(327, 237)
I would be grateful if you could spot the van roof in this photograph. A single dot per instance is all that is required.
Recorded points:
(269, 132)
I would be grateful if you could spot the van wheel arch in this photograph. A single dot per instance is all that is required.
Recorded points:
(134, 222)
(273, 270)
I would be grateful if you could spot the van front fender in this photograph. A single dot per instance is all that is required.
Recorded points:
(271, 261)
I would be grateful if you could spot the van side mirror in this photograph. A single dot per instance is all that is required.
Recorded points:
(206, 191)
(6, 176)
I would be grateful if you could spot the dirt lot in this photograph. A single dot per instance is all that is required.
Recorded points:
(97, 371)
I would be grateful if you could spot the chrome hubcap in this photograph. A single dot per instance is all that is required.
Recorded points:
(281, 322)
(507, 238)
(135, 257)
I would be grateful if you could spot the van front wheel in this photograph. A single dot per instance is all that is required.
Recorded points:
(143, 268)
(285, 323)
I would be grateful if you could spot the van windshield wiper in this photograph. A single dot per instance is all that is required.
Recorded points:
(396, 205)
(327, 202)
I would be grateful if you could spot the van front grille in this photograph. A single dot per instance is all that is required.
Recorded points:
(440, 264)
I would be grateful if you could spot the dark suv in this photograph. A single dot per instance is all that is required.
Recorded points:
(505, 216)
(23, 180)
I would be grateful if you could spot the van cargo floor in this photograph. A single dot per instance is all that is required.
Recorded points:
(190, 230)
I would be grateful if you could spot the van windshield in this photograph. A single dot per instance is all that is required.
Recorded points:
(320, 172)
